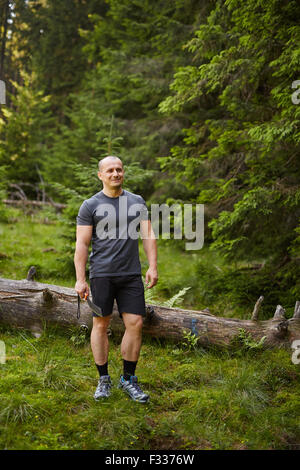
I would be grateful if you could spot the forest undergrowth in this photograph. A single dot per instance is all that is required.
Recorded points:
(242, 398)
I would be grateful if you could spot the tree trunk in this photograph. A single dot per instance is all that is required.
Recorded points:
(3, 38)
(32, 305)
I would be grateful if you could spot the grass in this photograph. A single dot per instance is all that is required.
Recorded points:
(200, 398)
(32, 240)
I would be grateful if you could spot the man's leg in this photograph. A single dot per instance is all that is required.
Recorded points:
(132, 339)
(99, 339)
(100, 348)
(130, 350)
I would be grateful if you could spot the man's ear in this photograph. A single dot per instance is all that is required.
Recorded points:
(99, 175)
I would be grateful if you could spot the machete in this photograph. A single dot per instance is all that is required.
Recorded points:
(97, 310)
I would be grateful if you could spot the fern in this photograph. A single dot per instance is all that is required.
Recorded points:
(176, 300)
(149, 296)
(248, 342)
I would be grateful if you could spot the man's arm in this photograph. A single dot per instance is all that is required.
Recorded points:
(150, 247)
(83, 239)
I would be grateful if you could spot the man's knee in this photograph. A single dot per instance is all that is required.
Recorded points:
(133, 322)
(101, 324)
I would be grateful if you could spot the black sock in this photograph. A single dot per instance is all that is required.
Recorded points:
(129, 368)
(102, 369)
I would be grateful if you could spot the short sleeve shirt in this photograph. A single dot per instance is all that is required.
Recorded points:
(115, 222)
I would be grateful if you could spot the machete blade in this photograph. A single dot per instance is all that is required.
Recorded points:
(97, 310)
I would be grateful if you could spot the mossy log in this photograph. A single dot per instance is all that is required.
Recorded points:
(32, 305)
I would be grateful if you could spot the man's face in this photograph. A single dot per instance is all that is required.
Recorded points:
(111, 174)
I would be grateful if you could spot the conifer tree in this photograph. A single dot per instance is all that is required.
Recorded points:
(240, 154)
(26, 131)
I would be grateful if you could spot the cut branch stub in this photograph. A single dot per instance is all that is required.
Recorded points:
(297, 310)
(31, 273)
(279, 313)
(254, 315)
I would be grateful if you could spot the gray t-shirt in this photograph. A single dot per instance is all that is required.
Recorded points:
(115, 222)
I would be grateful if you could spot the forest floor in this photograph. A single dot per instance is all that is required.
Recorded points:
(199, 398)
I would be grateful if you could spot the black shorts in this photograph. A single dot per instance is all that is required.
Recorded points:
(127, 290)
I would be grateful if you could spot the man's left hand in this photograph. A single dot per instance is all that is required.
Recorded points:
(151, 277)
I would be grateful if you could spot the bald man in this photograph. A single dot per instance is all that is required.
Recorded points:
(111, 219)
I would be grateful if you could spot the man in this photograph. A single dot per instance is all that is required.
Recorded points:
(108, 219)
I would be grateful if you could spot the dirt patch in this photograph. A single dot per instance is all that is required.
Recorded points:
(178, 443)
(166, 443)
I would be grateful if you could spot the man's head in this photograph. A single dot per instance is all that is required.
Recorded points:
(111, 172)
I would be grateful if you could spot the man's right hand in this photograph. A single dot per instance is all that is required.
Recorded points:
(82, 288)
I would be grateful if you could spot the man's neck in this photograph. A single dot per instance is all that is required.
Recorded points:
(115, 192)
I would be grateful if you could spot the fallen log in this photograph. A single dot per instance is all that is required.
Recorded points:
(27, 202)
(32, 305)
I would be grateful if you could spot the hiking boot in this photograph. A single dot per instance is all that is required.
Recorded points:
(103, 387)
(133, 389)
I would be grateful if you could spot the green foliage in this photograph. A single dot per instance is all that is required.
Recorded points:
(190, 340)
(237, 288)
(46, 35)
(244, 342)
(177, 299)
(4, 212)
(258, 207)
(133, 53)
(239, 153)
(26, 131)
(79, 336)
